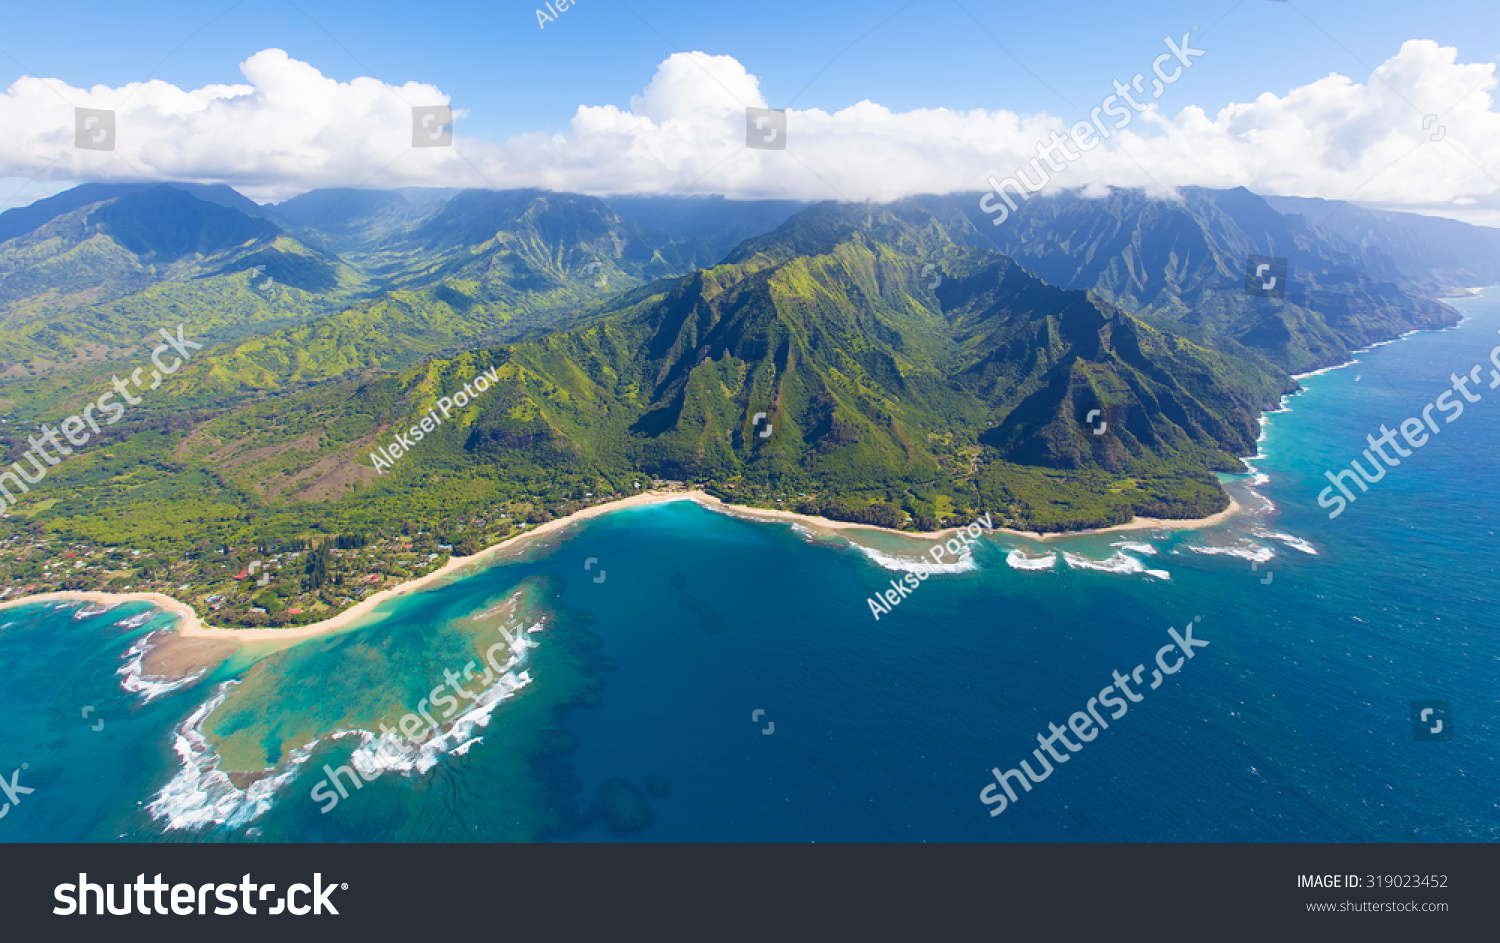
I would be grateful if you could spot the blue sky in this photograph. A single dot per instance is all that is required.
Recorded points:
(511, 77)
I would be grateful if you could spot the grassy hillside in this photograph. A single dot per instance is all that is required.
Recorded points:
(868, 363)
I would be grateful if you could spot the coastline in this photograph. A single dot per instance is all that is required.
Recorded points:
(824, 524)
(1353, 354)
(182, 610)
(191, 626)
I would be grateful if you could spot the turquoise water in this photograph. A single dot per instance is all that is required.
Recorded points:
(640, 719)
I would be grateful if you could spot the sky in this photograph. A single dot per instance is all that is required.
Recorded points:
(1387, 104)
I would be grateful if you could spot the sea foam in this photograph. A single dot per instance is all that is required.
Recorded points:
(201, 794)
(1116, 563)
(388, 751)
(138, 620)
(1021, 560)
(963, 564)
(94, 609)
(1246, 550)
(1296, 543)
(1134, 547)
(134, 680)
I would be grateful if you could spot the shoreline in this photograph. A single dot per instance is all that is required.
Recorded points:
(191, 626)
(1353, 354)
(182, 610)
(814, 522)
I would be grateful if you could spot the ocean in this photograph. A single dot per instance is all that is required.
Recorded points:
(696, 676)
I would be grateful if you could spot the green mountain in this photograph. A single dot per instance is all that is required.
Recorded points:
(87, 276)
(509, 243)
(886, 398)
(1181, 265)
(874, 382)
(480, 268)
(388, 281)
(891, 351)
(884, 364)
(1442, 256)
(717, 223)
(351, 219)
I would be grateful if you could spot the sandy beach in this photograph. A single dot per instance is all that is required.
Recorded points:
(823, 524)
(170, 656)
(183, 611)
(176, 658)
(196, 628)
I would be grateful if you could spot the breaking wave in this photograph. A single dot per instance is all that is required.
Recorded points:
(201, 794)
(1021, 560)
(1117, 563)
(135, 681)
(887, 561)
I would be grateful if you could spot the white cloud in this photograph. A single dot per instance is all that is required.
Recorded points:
(289, 128)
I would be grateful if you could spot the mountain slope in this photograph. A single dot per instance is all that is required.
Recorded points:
(1444, 255)
(91, 271)
(108, 272)
(879, 390)
(717, 223)
(1182, 264)
(480, 268)
(884, 360)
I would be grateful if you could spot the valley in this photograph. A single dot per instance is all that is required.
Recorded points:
(1091, 362)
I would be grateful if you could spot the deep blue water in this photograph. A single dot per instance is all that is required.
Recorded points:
(1293, 725)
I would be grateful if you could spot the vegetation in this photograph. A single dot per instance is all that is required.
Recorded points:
(818, 368)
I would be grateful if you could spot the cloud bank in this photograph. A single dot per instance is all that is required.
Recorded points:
(289, 128)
